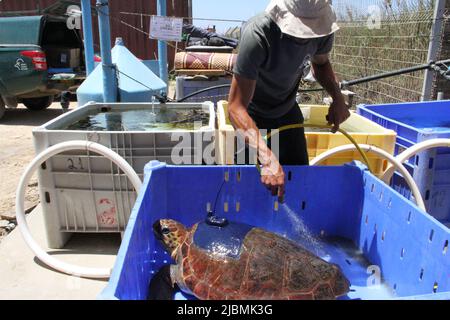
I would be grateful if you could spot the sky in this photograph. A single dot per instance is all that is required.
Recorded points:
(245, 9)
(226, 9)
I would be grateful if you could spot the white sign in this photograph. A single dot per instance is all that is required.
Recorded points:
(166, 28)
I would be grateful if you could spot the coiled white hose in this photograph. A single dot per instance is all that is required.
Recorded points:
(20, 195)
(395, 163)
(383, 154)
(411, 152)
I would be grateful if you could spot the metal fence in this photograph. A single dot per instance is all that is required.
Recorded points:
(378, 36)
(441, 85)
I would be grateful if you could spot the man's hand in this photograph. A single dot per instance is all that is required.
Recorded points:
(272, 176)
(324, 74)
(337, 113)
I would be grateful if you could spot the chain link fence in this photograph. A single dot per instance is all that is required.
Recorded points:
(378, 36)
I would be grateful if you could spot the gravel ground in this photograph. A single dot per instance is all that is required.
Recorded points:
(17, 151)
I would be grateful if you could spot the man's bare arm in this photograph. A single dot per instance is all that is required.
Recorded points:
(324, 74)
(241, 93)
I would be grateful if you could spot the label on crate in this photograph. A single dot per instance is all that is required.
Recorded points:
(107, 215)
(166, 28)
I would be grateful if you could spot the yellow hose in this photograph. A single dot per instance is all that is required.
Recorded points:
(321, 126)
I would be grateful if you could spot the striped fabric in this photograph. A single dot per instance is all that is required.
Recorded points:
(205, 60)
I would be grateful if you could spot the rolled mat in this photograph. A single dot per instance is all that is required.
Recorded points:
(205, 60)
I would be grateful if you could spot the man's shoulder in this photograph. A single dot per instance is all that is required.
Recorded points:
(261, 22)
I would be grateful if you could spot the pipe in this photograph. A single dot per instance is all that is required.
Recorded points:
(109, 76)
(345, 84)
(436, 66)
(412, 151)
(87, 36)
(20, 196)
(380, 152)
(162, 46)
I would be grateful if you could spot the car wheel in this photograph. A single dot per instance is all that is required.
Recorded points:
(37, 104)
(10, 102)
(2, 107)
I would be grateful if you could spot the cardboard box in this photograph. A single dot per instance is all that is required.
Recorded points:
(62, 57)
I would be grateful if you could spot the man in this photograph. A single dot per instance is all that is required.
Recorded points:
(275, 47)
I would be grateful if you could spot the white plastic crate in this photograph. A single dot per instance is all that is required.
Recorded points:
(85, 192)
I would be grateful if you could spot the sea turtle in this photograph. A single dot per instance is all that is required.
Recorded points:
(238, 261)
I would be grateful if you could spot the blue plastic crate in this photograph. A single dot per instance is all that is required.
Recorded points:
(414, 123)
(363, 222)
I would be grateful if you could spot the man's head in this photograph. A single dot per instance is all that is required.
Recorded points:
(304, 19)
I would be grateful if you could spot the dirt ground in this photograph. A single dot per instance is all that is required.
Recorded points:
(17, 151)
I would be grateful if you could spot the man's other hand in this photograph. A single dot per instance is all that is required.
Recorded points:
(337, 113)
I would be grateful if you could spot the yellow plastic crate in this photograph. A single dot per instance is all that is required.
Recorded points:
(361, 129)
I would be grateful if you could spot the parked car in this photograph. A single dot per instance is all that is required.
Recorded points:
(40, 57)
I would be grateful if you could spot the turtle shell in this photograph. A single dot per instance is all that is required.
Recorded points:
(242, 262)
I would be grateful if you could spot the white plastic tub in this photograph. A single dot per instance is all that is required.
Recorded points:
(85, 192)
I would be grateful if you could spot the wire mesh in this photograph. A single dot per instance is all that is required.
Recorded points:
(378, 36)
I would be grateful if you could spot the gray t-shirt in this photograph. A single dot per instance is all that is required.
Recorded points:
(277, 61)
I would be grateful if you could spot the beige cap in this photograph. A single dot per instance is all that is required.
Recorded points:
(304, 18)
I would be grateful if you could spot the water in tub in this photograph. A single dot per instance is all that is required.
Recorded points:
(150, 119)
(365, 278)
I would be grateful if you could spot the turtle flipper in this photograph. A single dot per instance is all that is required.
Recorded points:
(161, 286)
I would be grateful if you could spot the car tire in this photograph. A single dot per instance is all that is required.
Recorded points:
(37, 104)
(10, 102)
(2, 107)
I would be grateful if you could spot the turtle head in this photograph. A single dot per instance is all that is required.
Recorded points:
(171, 233)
